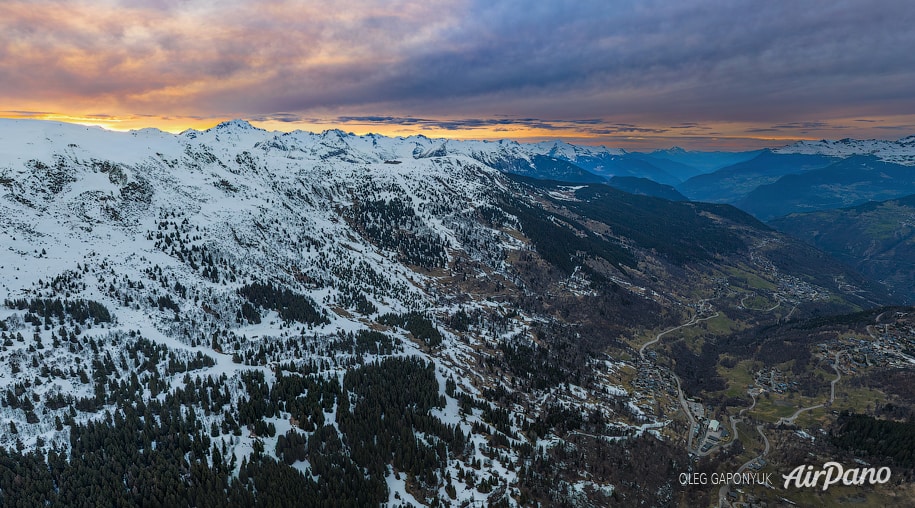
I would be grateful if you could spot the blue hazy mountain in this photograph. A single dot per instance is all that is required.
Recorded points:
(608, 164)
(701, 162)
(732, 183)
(851, 181)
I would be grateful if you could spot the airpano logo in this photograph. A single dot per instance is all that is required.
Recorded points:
(832, 473)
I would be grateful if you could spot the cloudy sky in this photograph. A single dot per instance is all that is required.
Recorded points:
(694, 73)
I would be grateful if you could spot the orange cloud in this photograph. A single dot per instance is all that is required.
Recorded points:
(191, 63)
(142, 56)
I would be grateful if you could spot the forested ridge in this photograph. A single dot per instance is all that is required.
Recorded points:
(234, 317)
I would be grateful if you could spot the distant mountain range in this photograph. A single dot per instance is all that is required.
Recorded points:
(701, 162)
(901, 151)
(670, 167)
(732, 183)
(850, 181)
(804, 176)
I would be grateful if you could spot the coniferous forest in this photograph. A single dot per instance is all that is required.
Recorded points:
(235, 317)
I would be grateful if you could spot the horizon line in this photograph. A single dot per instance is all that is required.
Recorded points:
(632, 143)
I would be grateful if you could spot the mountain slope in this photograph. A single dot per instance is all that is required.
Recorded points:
(702, 162)
(644, 186)
(235, 314)
(668, 236)
(675, 169)
(901, 151)
(877, 238)
(854, 180)
(544, 167)
(609, 162)
(732, 183)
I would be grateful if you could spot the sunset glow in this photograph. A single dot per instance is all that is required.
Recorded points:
(687, 74)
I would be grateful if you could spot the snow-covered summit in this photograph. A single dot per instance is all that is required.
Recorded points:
(570, 152)
(236, 124)
(901, 151)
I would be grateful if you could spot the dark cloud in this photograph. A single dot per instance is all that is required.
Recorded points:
(789, 128)
(802, 125)
(688, 126)
(26, 113)
(283, 118)
(465, 123)
(688, 61)
(584, 126)
(625, 67)
(905, 127)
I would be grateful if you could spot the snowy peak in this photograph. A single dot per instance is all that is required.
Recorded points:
(901, 151)
(569, 152)
(674, 151)
(236, 124)
(262, 295)
(335, 136)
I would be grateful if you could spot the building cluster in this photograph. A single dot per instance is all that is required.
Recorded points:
(887, 346)
(653, 386)
(774, 380)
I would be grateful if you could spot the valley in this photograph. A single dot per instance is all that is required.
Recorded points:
(243, 317)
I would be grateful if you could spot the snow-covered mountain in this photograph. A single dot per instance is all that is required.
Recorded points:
(235, 311)
(234, 254)
(901, 151)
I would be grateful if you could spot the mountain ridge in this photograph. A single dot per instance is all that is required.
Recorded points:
(900, 151)
(874, 237)
(853, 180)
(252, 290)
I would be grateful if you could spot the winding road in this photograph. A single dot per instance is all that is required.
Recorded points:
(723, 491)
(693, 320)
(770, 309)
(703, 306)
(832, 395)
(832, 384)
